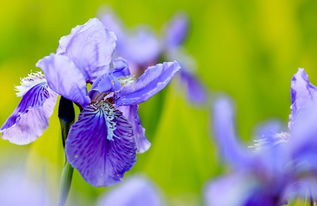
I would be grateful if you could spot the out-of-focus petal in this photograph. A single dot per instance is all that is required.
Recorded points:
(90, 47)
(65, 78)
(232, 190)
(141, 48)
(303, 94)
(153, 80)
(225, 134)
(176, 31)
(30, 118)
(196, 93)
(101, 145)
(131, 113)
(120, 68)
(136, 191)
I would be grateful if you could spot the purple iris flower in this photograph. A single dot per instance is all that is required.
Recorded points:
(104, 141)
(135, 191)
(280, 166)
(142, 48)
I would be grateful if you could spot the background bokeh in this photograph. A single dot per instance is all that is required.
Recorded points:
(248, 49)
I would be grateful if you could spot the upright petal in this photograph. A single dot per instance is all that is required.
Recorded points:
(176, 31)
(196, 93)
(225, 135)
(131, 113)
(65, 78)
(136, 191)
(141, 48)
(153, 80)
(90, 47)
(101, 145)
(303, 94)
(120, 68)
(30, 118)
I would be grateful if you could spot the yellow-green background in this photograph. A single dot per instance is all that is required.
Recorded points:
(248, 49)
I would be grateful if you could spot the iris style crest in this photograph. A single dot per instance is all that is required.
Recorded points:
(104, 141)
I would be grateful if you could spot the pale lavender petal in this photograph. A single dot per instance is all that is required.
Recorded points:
(176, 30)
(30, 118)
(141, 48)
(65, 78)
(225, 134)
(303, 94)
(101, 145)
(131, 113)
(232, 190)
(196, 93)
(153, 80)
(90, 47)
(136, 191)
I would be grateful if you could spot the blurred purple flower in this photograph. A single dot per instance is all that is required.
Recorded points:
(142, 48)
(135, 191)
(103, 143)
(281, 164)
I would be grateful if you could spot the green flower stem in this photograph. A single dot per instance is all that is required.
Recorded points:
(66, 116)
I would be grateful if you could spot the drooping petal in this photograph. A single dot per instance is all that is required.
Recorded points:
(225, 135)
(101, 145)
(303, 94)
(30, 118)
(65, 78)
(90, 47)
(141, 48)
(136, 191)
(176, 31)
(131, 113)
(153, 80)
(196, 93)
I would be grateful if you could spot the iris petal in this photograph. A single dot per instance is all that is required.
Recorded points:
(101, 145)
(90, 47)
(195, 91)
(65, 78)
(30, 118)
(176, 30)
(131, 113)
(225, 134)
(153, 80)
(303, 94)
(136, 191)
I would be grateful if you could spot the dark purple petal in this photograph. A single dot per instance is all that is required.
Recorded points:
(30, 118)
(101, 145)
(153, 80)
(176, 31)
(303, 94)
(120, 68)
(225, 135)
(131, 113)
(65, 78)
(196, 93)
(136, 191)
(90, 47)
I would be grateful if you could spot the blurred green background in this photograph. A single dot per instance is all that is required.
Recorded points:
(248, 49)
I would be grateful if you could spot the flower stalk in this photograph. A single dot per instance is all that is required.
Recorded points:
(66, 116)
